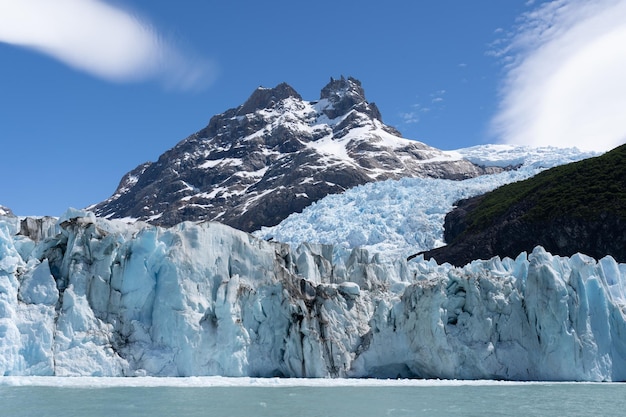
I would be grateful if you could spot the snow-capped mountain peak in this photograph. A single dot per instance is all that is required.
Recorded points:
(264, 98)
(274, 155)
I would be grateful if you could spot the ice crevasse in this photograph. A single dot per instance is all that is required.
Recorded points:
(88, 296)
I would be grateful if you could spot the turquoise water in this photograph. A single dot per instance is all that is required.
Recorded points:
(463, 400)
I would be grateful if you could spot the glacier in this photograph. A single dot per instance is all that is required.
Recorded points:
(92, 297)
(406, 216)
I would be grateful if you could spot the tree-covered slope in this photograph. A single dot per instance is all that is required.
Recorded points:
(579, 207)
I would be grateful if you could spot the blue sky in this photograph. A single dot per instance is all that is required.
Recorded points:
(89, 89)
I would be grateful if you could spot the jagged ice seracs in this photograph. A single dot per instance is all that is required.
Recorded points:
(97, 297)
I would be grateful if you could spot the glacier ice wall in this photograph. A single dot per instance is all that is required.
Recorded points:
(96, 297)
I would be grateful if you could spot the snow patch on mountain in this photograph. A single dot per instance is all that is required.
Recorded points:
(522, 156)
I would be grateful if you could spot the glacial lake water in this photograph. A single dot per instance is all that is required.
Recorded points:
(190, 397)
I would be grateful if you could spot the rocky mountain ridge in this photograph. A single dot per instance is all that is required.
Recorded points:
(253, 165)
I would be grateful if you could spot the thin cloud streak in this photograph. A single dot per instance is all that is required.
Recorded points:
(102, 40)
(565, 83)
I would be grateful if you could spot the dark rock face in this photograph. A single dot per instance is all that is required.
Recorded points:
(345, 95)
(597, 238)
(579, 207)
(274, 155)
(39, 228)
(266, 98)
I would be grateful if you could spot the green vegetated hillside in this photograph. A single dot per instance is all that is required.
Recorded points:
(579, 207)
(581, 189)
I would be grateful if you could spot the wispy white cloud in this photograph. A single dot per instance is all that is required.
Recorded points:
(414, 115)
(410, 118)
(565, 83)
(100, 39)
(437, 96)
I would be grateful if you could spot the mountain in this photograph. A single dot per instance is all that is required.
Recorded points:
(578, 207)
(105, 298)
(274, 155)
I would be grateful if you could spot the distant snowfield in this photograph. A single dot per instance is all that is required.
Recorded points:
(401, 217)
(216, 381)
